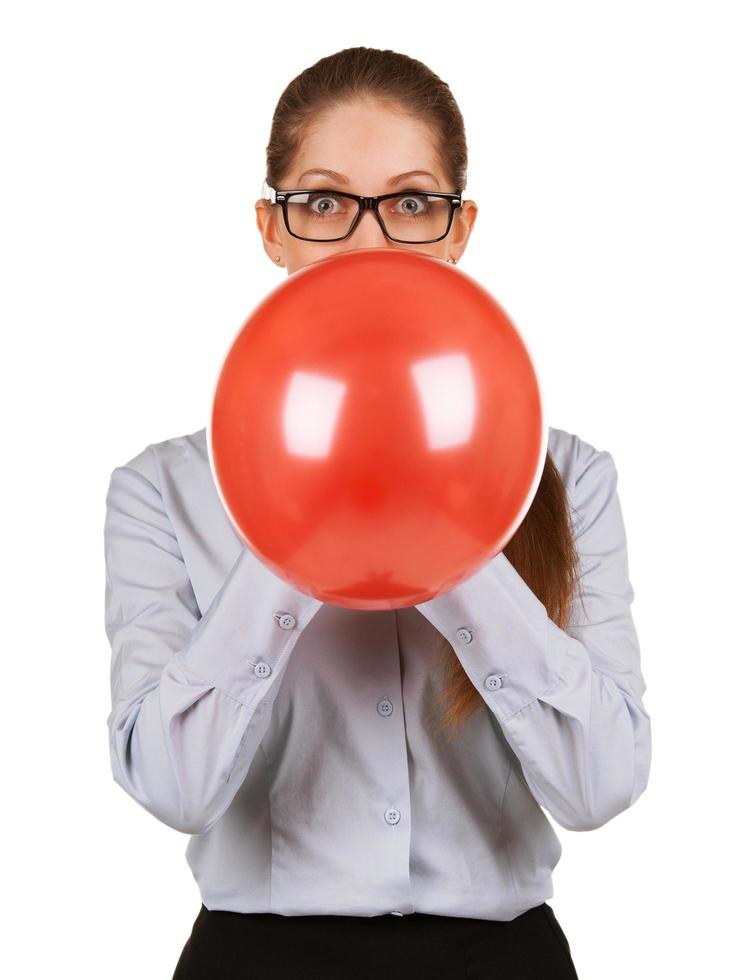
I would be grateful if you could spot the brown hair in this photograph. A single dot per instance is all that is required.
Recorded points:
(543, 549)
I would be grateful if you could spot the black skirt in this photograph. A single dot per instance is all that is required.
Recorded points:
(268, 946)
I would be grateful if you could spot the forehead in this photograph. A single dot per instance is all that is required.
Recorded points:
(369, 143)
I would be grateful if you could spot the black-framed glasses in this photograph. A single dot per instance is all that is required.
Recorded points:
(411, 217)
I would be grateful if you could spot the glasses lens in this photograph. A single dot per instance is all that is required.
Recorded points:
(415, 217)
(323, 216)
(320, 216)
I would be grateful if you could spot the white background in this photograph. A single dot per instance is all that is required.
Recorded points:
(606, 159)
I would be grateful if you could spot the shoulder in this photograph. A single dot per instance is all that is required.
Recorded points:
(583, 467)
(157, 460)
(589, 473)
(590, 477)
(576, 459)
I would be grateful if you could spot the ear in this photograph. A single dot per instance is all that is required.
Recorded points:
(267, 221)
(462, 226)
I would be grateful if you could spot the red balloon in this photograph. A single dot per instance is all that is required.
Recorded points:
(377, 432)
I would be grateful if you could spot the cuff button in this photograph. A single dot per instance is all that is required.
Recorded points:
(285, 620)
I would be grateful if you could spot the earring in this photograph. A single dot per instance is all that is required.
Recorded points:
(277, 258)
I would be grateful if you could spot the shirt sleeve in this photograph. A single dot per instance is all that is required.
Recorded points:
(568, 702)
(191, 695)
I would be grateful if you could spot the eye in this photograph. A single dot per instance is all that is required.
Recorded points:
(411, 205)
(322, 204)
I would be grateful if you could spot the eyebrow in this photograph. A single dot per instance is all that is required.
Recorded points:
(393, 182)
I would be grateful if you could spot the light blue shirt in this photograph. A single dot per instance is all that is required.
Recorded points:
(295, 740)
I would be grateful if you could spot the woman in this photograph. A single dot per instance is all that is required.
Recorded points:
(363, 790)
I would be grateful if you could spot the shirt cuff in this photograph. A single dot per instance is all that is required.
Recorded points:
(502, 635)
(243, 641)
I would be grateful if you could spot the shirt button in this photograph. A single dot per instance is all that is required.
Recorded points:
(385, 707)
(493, 682)
(464, 634)
(262, 669)
(392, 815)
(285, 620)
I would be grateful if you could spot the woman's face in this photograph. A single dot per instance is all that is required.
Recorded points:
(366, 146)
